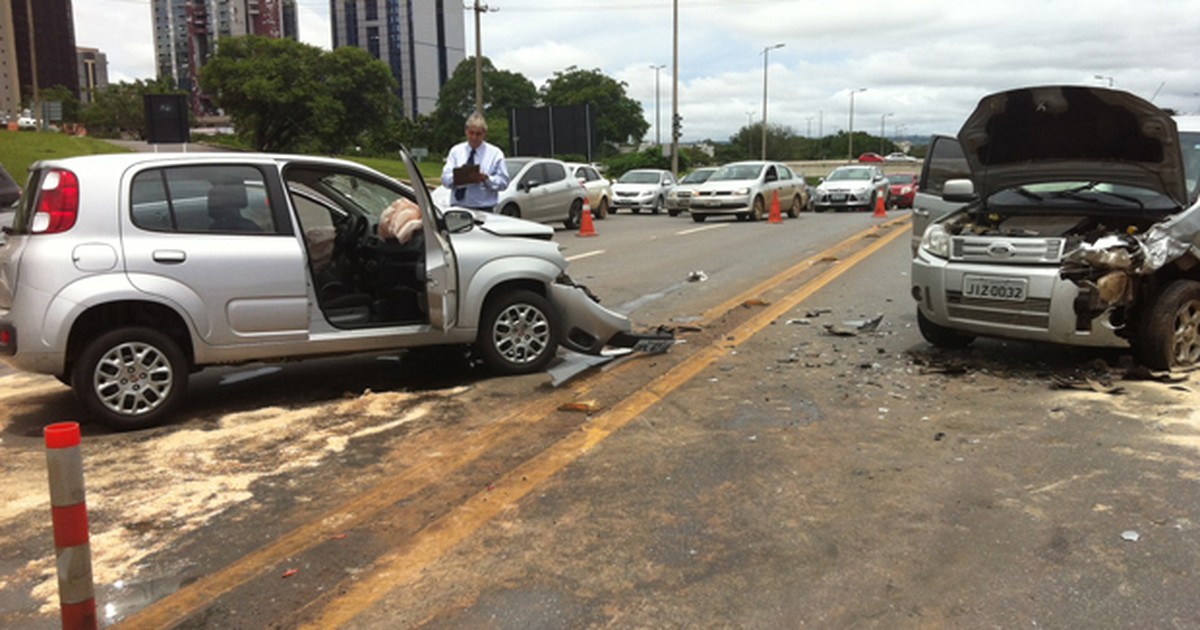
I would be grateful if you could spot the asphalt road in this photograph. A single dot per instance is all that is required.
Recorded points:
(765, 473)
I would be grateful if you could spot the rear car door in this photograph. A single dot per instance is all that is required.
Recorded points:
(217, 240)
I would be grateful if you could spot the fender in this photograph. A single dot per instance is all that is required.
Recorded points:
(475, 289)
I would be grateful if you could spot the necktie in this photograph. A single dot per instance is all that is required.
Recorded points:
(461, 192)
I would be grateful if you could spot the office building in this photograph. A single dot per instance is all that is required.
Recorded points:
(50, 61)
(187, 32)
(93, 73)
(421, 41)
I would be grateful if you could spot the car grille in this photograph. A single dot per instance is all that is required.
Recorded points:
(1032, 313)
(683, 194)
(714, 193)
(991, 249)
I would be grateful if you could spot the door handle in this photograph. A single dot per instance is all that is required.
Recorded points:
(169, 256)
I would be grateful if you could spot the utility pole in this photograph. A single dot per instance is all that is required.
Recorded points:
(657, 115)
(37, 115)
(675, 91)
(478, 9)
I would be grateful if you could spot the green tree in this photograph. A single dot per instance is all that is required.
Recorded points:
(503, 91)
(119, 110)
(618, 117)
(70, 103)
(283, 95)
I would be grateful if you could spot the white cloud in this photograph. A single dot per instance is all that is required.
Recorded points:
(926, 62)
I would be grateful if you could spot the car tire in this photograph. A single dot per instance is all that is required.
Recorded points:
(601, 212)
(130, 378)
(672, 213)
(699, 218)
(756, 213)
(794, 209)
(658, 206)
(636, 209)
(941, 336)
(819, 209)
(574, 215)
(511, 210)
(1169, 332)
(518, 333)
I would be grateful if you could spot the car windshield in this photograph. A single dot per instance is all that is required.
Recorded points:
(639, 177)
(900, 179)
(1084, 197)
(850, 174)
(737, 171)
(1190, 143)
(697, 177)
(514, 166)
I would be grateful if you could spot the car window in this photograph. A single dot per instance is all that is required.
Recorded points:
(850, 174)
(639, 177)
(588, 174)
(196, 199)
(553, 172)
(514, 166)
(1190, 143)
(737, 171)
(945, 162)
(351, 193)
(784, 172)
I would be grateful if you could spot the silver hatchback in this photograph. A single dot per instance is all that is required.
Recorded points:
(122, 274)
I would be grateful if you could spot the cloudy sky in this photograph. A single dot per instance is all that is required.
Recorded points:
(924, 63)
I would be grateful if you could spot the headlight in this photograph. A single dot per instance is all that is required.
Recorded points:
(906, 190)
(936, 241)
(742, 191)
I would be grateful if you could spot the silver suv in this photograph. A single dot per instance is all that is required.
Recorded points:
(747, 191)
(121, 274)
(1080, 226)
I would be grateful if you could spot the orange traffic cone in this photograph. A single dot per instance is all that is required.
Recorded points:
(879, 210)
(585, 220)
(775, 216)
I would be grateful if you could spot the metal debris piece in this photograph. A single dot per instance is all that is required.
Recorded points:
(574, 364)
(697, 276)
(839, 331)
(1131, 535)
(801, 322)
(586, 406)
(817, 312)
(1058, 382)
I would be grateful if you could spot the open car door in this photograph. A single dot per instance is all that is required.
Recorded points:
(441, 269)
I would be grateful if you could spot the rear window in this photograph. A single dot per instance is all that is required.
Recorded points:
(196, 199)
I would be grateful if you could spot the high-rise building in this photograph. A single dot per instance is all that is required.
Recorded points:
(421, 41)
(186, 35)
(51, 60)
(10, 79)
(93, 73)
(291, 20)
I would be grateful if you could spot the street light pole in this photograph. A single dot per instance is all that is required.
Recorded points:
(749, 134)
(675, 88)
(850, 138)
(657, 115)
(765, 52)
(882, 134)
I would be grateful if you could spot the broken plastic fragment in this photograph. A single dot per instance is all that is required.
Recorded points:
(697, 276)
(588, 406)
(1131, 535)
(289, 573)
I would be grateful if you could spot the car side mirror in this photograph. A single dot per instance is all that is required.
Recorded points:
(959, 190)
(530, 184)
(459, 221)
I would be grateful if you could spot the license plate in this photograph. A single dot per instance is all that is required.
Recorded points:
(837, 197)
(987, 288)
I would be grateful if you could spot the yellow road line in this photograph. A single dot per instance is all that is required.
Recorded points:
(176, 607)
(406, 564)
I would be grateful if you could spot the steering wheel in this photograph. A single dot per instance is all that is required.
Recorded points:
(353, 230)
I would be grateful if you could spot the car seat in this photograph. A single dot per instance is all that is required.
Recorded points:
(225, 203)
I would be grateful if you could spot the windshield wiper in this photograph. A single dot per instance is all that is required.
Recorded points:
(1073, 193)
(1026, 194)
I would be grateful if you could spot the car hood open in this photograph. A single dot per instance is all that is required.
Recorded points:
(1072, 133)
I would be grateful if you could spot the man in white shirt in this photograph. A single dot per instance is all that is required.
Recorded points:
(476, 190)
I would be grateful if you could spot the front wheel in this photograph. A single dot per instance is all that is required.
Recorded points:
(130, 378)
(941, 336)
(511, 210)
(794, 209)
(601, 211)
(658, 206)
(1169, 334)
(757, 213)
(518, 333)
(699, 218)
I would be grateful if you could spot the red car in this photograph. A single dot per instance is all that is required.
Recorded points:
(904, 189)
(870, 157)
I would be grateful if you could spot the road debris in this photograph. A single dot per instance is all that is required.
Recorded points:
(800, 322)
(289, 573)
(1130, 535)
(586, 406)
(852, 327)
(697, 276)
(1089, 384)
(755, 302)
(817, 312)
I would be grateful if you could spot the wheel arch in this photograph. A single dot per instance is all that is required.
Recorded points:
(102, 318)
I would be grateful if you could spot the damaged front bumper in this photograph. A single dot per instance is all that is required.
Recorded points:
(589, 327)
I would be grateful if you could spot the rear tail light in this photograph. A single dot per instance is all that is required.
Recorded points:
(58, 202)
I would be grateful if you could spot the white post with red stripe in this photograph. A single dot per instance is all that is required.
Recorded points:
(68, 509)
